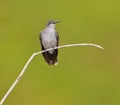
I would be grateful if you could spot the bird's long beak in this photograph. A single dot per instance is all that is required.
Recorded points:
(56, 21)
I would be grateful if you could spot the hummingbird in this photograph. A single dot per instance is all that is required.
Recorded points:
(49, 38)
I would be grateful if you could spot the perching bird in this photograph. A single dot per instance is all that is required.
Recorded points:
(49, 38)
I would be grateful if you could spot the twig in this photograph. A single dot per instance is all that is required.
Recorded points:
(30, 59)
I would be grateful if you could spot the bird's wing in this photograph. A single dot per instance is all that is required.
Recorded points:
(41, 41)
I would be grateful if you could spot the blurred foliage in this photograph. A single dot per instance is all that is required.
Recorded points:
(84, 75)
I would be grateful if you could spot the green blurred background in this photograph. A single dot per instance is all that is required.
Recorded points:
(84, 75)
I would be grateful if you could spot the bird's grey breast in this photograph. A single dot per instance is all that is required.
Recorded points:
(49, 39)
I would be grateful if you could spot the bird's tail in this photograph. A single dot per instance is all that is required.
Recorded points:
(51, 59)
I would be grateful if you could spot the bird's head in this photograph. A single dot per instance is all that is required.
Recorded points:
(52, 23)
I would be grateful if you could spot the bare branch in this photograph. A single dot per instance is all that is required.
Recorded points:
(30, 59)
